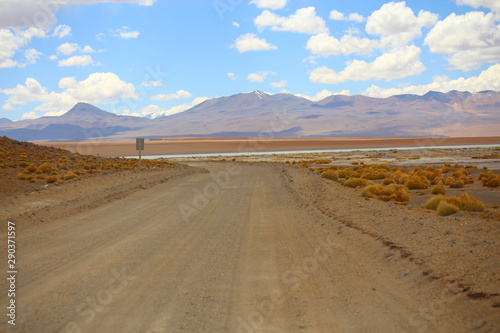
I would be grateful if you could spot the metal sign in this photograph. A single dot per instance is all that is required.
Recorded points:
(139, 144)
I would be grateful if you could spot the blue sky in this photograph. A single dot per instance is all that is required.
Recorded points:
(150, 58)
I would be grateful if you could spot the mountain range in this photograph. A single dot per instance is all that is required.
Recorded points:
(257, 114)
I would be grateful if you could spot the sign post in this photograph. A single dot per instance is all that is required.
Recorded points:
(139, 145)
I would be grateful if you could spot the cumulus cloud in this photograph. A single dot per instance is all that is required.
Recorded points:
(338, 16)
(304, 20)
(395, 64)
(61, 31)
(323, 94)
(397, 24)
(180, 94)
(250, 42)
(259, 76)
(40, 13)
(152, 84)
(271, 4)
(154, 111)
(12, 42)
(488, 79)
(279, 84)
(79, 60)
(469, 40)
(232, 76)
(324, 44)
(67, 48)
(125, 33)
(88, 49)
(96, 88)
(494, 5)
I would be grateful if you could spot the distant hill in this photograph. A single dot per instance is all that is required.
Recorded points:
(257, 114)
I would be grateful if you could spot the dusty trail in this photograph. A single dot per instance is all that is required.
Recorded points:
(234, 250)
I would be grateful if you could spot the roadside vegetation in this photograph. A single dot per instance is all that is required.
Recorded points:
(398, 184)
(33, 163)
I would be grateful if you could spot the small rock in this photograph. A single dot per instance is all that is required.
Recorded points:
(479, 324)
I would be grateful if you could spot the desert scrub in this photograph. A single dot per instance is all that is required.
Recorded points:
(458, 183)
(355, 182)
(330, 174)
(433, 202)
(467, 202)
(45, 168)
(416, 182)
(438, 188)
(51, 179)
(445, 208)
(392, 192)
(69, 176)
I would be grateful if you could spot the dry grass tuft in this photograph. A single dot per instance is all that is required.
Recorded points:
(393, 192)
(438, 188)
(433, 202)
(357, 182)
(445, 208)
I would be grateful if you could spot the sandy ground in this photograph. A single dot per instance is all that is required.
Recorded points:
(231, 145)
(242, 247)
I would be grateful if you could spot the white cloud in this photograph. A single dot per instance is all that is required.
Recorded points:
(397, 25)
(338, 16)
(53, 57)
(88, 49)
(129, 34)
(152, 84)
(494, 5)
(271, 4)
(61, 31)
(40, 13)
(395, 64)
(79, 60)
(154, 111)
(356, 17)
(29, 115)
(97, 88)
(259, 76)
(469, 40)
(250, 42)
(236, 24)
(323, 94)
(279, 84)
(324, 44)
(304, 20)
(180, 94)
(488, 79)
(232, 76)
(31, 56)
(67, 48)
(13, 41)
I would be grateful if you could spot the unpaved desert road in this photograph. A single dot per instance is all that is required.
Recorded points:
(234, 250)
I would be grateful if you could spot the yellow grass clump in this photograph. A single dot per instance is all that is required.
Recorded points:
(331, 174)
(465, 202)
(393, 192)
(357, 182)
(433, 202)
(445, 208)
(438, 188)
(51, 179)
(416, 182)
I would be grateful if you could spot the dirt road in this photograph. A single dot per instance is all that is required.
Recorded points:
(234, 250)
